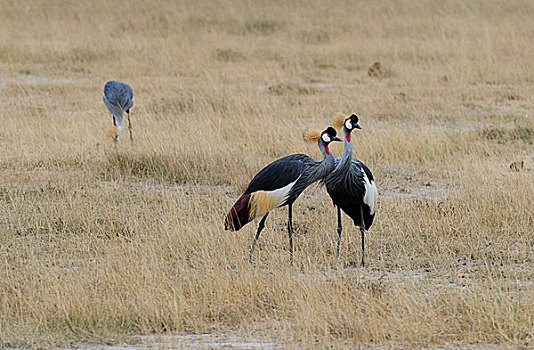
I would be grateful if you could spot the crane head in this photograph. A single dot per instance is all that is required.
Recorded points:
(348, 123)
(340, 120)
(325, 137)
(352, 122)
(313, 135)
(329, 135)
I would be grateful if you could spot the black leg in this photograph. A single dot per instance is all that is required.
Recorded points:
(260, 227)
(129, 125)
(289, 231)
(115, 139)
(116, 133)
(339, 228)
(362, 230)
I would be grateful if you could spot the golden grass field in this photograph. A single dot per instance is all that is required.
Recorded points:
(101, 243)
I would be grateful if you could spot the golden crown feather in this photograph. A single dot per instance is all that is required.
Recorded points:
(338, 120)
(311, 135)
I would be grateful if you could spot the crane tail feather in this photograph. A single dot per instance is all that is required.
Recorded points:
(239, 214)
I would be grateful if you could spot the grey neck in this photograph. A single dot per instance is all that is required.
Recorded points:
(322, 147)
(326, 166)
(346, 157)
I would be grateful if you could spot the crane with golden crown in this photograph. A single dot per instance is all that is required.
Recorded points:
(279, 184)
(351, 184)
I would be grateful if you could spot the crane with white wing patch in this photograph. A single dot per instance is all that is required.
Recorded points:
(279, 184)
(351, 184)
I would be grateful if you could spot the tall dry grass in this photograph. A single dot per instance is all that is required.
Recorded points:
(99, 243)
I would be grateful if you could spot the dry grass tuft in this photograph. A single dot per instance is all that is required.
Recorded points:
(503, 135)
(517, 166)
(375, 70)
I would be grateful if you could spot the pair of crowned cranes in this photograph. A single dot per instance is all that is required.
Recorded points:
(348, 181)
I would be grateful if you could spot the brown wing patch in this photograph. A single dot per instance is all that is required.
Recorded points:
(239, 214)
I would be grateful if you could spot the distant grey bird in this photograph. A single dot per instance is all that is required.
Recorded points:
(118, 98)
(281, 183)
(351, 185)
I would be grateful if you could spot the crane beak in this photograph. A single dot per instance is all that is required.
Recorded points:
(358, 126)
(335, 138)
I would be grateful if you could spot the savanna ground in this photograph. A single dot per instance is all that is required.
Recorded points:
(101, 243)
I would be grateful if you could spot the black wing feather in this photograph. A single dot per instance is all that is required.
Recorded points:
(348, 192)
(279, 173)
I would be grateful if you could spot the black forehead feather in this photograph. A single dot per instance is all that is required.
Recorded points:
(354, 118)
(331, 131)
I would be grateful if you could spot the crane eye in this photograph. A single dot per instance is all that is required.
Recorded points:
(348, 124)
(326, 138)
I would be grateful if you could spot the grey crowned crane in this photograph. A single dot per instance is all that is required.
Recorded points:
(279, 184)
(351, 184)
(118, 98)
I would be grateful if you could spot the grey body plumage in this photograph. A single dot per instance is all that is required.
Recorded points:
(307, 171)
(118, 98)
(285, 179)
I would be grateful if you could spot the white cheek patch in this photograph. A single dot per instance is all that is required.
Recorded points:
(348, 124)
(326, 138)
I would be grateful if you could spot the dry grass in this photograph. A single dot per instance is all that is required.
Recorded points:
(99, 243)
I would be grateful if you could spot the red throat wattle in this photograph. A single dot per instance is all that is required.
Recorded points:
(348, 135)
(327, 150)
